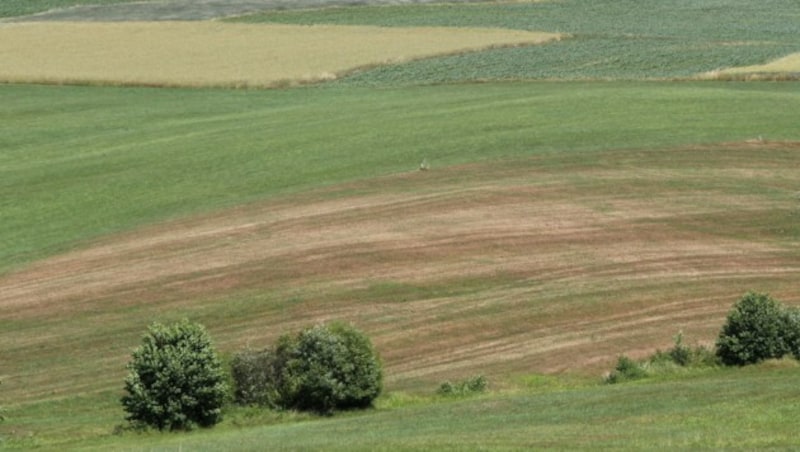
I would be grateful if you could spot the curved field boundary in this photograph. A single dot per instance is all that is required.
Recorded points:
(229, 55)
(787, 68)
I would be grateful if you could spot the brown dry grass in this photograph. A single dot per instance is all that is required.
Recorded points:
(222, 54)
(527, 266)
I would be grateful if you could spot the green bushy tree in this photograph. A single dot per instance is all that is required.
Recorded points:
(175, 379)
(323, 369)
(327, 368)
(758, 328)
(626, 370)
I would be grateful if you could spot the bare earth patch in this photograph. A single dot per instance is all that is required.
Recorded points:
(223, 54)
(496, 268)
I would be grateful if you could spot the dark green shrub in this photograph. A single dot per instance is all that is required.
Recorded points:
(472, 385)
(758, 328)
(702, 356)
(679, 353)
(676, 359)
(175, 380)
(327, 368)
(625, 370)
(684, 356)
(255, 378)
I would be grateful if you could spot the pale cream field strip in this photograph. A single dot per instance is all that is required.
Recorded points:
(789, 63)
(222, 54)
(783, 68)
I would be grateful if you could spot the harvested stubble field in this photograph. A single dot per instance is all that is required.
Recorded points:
(215, 54)
(546, 265)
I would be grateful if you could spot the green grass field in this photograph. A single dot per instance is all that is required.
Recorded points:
(607, 157)
(161, 154)
(736, 409)
(561, 223)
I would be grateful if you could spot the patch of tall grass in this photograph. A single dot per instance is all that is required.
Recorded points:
(679, 358)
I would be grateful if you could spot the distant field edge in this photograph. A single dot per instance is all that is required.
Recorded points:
(786, 68)
(206, 54)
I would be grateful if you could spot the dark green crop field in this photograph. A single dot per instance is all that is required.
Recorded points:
(611, 39)
(11, 8)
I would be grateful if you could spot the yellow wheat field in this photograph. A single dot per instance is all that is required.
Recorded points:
(221, 54)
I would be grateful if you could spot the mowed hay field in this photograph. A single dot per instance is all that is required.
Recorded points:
(542, 265)
(547, 237)
(548, 265)
(557, 224)
(216, 54)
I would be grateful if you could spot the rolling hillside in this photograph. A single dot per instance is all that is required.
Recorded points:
(581, 199)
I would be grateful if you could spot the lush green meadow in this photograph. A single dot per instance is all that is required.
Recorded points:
(78, 162)
(579, 203)
(644, 157)
(734, 409)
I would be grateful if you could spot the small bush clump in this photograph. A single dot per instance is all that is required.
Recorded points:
(321, 369)
(472, 385)
(175, 380)
(255, 376)
(327, 368)
(684, 356)
(679, 356)
(758, 328)
(626, 370)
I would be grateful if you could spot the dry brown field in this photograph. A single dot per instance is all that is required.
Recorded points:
(500, 269)
(221, 54)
